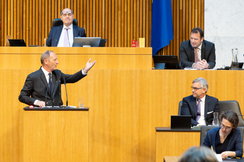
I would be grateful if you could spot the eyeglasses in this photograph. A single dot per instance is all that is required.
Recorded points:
(195, 88)
(67, 14)
(225, 127)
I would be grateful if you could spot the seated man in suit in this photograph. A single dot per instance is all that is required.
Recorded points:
(199, 105)
(63, 35)
(42, 87)
(197, 52)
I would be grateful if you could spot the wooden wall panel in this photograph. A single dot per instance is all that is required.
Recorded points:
(125, 107)
(117, 21)
(186, 15)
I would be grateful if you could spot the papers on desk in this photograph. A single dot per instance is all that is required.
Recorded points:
(196, 127)
(191, 68)
(219, 157)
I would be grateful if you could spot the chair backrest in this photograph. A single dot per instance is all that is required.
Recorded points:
(58, 21)
(204, 130)
(179, 109)
(233, 106)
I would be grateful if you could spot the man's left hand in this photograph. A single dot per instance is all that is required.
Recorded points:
(204, 64)
(89, 65)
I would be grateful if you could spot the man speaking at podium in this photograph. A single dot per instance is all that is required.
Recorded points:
(43, 87)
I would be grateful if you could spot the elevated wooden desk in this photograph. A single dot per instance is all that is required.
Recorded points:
(55, 135)
(174, 142)
(76, 57)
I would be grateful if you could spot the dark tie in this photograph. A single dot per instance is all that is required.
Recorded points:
(196, 55)
(50, 83)
(198, 109)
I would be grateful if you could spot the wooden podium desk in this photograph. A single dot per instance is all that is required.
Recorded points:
(76, 57)
(55, 134)
(174, 142)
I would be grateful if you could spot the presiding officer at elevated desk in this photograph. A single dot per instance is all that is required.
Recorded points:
(197, 52)
(227, 139)
(199, 105)
(39, 88)
(63, 35)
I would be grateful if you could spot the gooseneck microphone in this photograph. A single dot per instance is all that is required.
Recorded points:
(46, 97)
(66, 92)
(59, 96)
(54, 93)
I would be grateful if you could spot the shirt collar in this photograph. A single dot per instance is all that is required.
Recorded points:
(71, 26)
(202, 99)
(45, 71)
(200, 47)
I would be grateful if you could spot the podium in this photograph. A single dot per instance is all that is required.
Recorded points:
(174, 142)
(55, 134)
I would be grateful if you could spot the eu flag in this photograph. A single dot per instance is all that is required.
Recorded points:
(162, 26)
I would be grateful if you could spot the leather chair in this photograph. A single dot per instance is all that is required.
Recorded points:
(233, 106)
(205, 129)
(58, 22)
(179, 109)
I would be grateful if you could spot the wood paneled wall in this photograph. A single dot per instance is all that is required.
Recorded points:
(119, 21)
(186, 15)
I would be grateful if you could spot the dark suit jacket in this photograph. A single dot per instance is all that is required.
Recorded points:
(55, 33)
(235, 143)
(189, 107)
(36, 87)
(187, 56)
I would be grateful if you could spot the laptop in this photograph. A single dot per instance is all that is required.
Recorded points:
(166, 61)
(17, 42)
(86, 41)
(180, 121)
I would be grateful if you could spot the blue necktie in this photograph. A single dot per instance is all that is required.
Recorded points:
(50, 83)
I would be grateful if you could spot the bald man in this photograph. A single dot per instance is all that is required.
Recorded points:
(63, 35)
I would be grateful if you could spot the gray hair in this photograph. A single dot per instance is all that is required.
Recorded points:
(198, 154)
(203, 83)
(45, 55)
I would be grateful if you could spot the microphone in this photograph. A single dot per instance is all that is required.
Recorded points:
(54, 93)
(46, 97)
(66, 92)
(59, 97)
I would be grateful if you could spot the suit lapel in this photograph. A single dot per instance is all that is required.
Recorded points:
(203, 50)
(55, 77)
(75, 31)
(43, 78)
(206, 107)
(194, 106)
(192, 54)
(58, 34)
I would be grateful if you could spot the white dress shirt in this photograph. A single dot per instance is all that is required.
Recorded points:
(70, 33)
(201, 120)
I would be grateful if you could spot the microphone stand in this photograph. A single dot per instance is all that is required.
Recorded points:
(54, 94)
(66, 92)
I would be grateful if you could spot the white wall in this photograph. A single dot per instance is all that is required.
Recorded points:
(224, 26)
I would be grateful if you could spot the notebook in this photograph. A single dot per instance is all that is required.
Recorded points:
(17, 42)
(180, 122)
